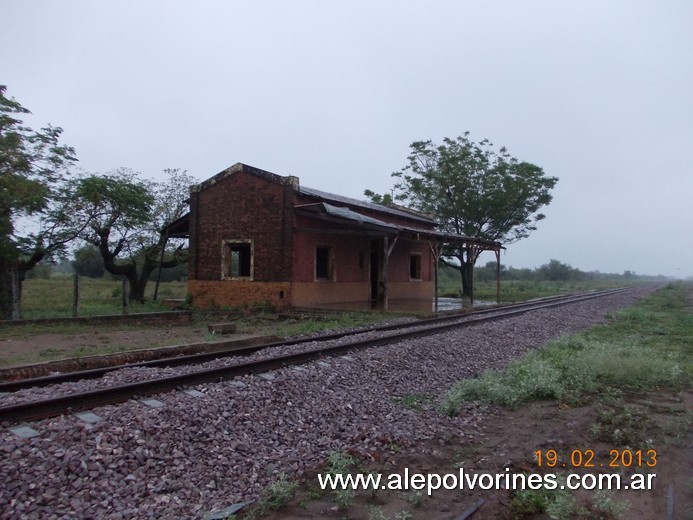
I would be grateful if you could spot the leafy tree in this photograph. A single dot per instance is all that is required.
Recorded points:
(376, 198)
(88, 262)
(555, 271)
(34, 223)
(126, 217)
(475, 191)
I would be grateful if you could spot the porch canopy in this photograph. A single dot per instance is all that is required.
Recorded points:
(354, 222)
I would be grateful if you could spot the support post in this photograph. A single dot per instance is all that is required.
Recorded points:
(16, 296)
(435, 276)
(471, 258)
(435, 250)
(386, 257)
(498, 296)
(387, 251)
(75, 297)
(125, 296)
(161, 261)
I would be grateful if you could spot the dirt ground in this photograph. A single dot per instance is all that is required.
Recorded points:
(509, 439)
(19, 348)
(503, 439)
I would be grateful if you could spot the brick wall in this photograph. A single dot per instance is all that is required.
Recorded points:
(398, 265)
(208, 294)
(308, 294)
(238, 207)
(351, 251)
(243, 203)
(410, 290)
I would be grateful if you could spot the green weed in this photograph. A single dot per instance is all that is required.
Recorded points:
(415, 401)
(646, 347)
(622, 425)
(278, 494)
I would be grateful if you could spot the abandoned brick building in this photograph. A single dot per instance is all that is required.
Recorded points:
(257, 237)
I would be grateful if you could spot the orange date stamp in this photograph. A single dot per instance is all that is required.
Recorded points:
(587, 458)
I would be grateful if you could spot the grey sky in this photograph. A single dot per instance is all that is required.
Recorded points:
(598, 93)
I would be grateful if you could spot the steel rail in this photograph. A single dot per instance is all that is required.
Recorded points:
(52, 407)
(190, 359)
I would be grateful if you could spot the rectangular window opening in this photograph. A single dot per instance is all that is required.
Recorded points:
(323, 263)
(238, 259)
(415, 267)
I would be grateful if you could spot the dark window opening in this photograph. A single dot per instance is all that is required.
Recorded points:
(415, 267)
(322, 263)
(238, 260)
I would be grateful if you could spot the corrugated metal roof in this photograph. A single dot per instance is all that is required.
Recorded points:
(353, 216)
(362, 204)
(346, 213)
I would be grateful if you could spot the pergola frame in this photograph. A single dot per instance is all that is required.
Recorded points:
(475, 246)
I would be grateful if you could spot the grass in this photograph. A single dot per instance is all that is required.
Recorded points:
(267, 323)
(522, 290)
(415, 402)
(622, 369)
(341, 463)
(275, 496)
(52, 298)
(560, 504)
(621, 424)
(646, 347)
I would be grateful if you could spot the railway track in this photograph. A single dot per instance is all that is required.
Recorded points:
(40, 409)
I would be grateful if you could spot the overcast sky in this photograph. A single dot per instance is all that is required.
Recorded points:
(598, 93)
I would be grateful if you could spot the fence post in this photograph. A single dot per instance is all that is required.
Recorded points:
(125, 296)
(75, 298)
(16, 296)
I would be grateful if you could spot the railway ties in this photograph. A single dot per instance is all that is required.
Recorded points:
(341, 344)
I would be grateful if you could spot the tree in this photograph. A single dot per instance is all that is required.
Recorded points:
(34, 223)
(474, 191)
(555, 271)
(126, 218)
(88, 262)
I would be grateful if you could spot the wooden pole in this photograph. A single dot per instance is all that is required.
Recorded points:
(386, 257)
(16, 297)
(125, 296)
(161, 261)
(435, 252)
(498, 298)
(75, 297)
(471, 258)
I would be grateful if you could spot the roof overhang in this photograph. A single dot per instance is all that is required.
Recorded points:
(179, 228)
(353, 222)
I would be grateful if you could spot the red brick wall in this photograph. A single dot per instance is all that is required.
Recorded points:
(398, 267)
(346, 249)
(208, 294)
(308, 294)
(243, 206)
(244, 203)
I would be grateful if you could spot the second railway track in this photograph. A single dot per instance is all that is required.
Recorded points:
(54, 406)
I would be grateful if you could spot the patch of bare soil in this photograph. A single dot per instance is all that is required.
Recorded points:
(510, 439)
(17, 350)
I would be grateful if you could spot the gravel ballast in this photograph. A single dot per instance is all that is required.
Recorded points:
(201, 453)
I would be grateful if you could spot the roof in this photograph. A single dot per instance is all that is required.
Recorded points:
(311, 192)
(332, 213)
(240, 167)
(339, 199)
(334, 207)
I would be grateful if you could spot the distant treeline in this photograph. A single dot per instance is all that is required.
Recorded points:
(87, 261)
(554, 271)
